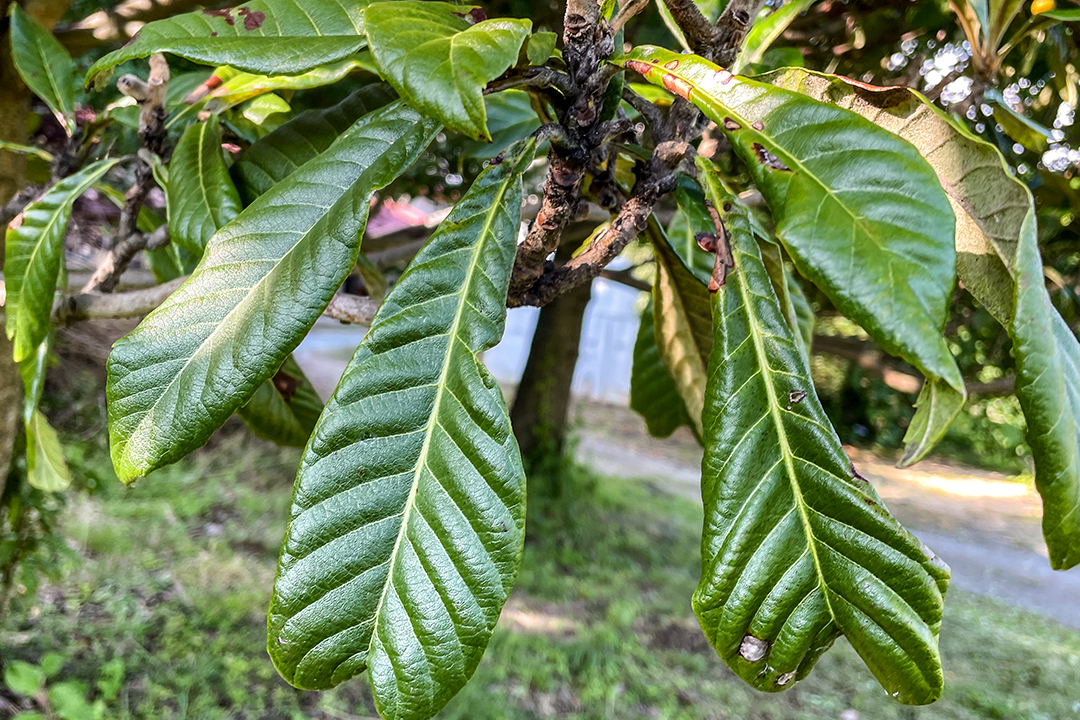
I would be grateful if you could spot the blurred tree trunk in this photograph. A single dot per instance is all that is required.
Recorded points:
(541, 409)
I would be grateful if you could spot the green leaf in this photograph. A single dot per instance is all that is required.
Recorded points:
(541, 47)
(201, 196)
(285, 408)
(797, 549)
(440, 62)
(998, 263)
(373, 278)
(40, 153)
(45, 466)
(240, 86)
(34, 254)
(264, 280)
(409, 508)
(282, 37)
(840, 190)
(938, 405)
(768, 30)
(276, 155)
(781, 281)
(23, 678)
(1018, 126)
(653, 393)
(683, 327)
(44, 66)
(32, 370)
(1062, 15)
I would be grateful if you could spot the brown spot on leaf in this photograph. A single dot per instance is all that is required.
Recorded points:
(639, 67)
(730, 125)
(769, 160)
(677, 85)
(858, 476)
(225, 14)
(286, 385)
(672, 65)
(706, 241)
(797, 396)
(784, 679)
(473, 16)
(253, 20)
(759, 126)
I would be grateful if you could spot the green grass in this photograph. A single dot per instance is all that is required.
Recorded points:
(169, 581)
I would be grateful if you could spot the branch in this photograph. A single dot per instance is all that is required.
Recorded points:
(625, 277)
(151, 98)
(699, 32)
(355, 309)
(732, 27)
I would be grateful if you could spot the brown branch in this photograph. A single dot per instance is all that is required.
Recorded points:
(79, 307)
(625, 277)
(732, 27)
(699, 32)
(151, 98)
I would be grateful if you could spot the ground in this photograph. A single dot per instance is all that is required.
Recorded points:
(160, 613)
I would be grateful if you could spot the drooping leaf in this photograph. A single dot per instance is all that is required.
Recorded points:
(408, 512)
(938, 405)
(683, 326)
(439, 61)
(34, 252)
(239, 87)
(860, 212)
(285, 408)
(264, 280)
(44, 66)
(998, 263)
(796, 548)
(45, 466)
(276, 155)
(201, 196)
(283, 37)
(653, 393)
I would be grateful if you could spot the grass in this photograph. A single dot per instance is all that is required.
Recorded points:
(168, 583)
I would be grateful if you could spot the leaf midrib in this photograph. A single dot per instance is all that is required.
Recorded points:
(774, 411)
(421, 461)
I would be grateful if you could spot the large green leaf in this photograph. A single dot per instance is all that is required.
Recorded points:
(439, 61)
(276, 155)
(44, 66)
(683, 327)
(766, 31)
(998, 263)
(201, 195)
(408, 513)
(861, 213)
(797, 549)
(282, 37)
(34, 252)
(285, 408)
(653, 393)
(264, 280)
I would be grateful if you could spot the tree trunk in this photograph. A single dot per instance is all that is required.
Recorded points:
(541, 409)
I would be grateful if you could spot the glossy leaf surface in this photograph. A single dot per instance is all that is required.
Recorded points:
(683, 326)
(283, 37)
(998, 263)
(861, 213)
(797, 549)
(279, 153)
(653, 393)
(239, 87)
(201, 195)
(408, 512)
(263, 281)
(44, 66)
(439, 61)
(34, 252)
